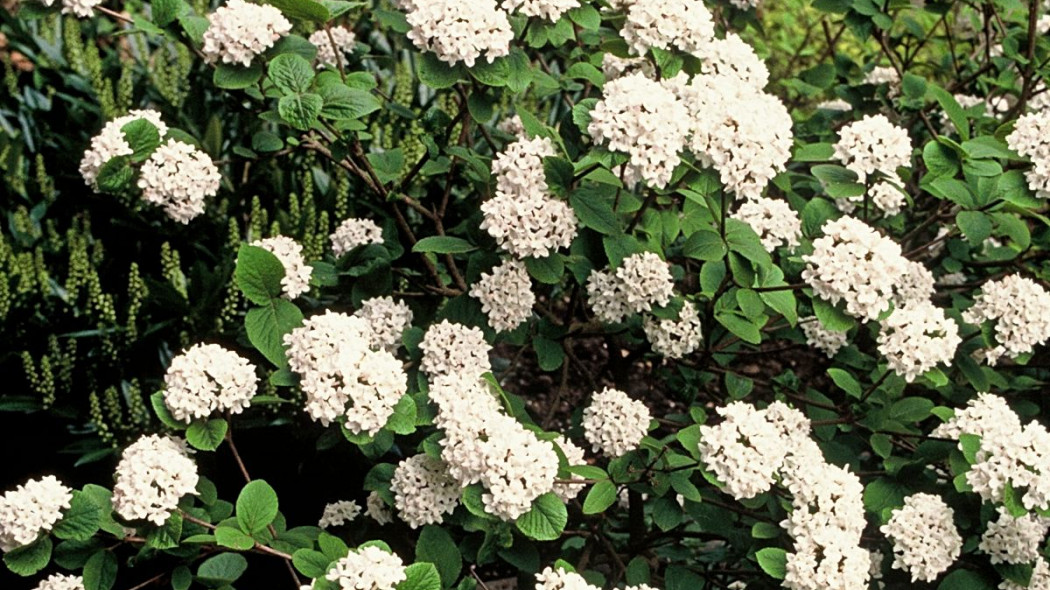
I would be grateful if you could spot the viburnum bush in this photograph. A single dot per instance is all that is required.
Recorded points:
(585, 295)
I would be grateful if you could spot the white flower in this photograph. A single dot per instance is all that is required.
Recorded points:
(1014, 539)
(154, 473)
(917, 337)
(205, 378)
(574, 455)
(529, 226)
(548, 9)
(987, 416)
(506, 295)
(1040, 578)
(872, 145)
(178, 177)
(81, 8)
(925, 540)
(423, 491)
(333, 46)
(352, 233)
(367, 568)
(30, 510)
(297, 273)
(334, 355)
(732, 56)
(241, 30)
(1030, 139)
(744, 451)
(387, 321)
(339, 513)
(820, 337)
(451, 348)
(915, 285)
(459, 31)
(110, 143)
(519, 168)
(377, 509)
(685, 24)
(675, 338)
(644, 119)
(885, 75)
(516, 469)
(837, 105)
(606, 296)
(559, 579)
(61, 582)
(614, 423)
(645, 280)
(775, 222)
(885, 199)
(1019, 309)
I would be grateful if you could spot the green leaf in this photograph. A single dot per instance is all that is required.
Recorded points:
(206, 435)
(814, 152)
(845, 381)
(143, 137)
(181, 578)
(258, 274)
(914, 87)
(266, 327)
(100, 572)
(586, 16)
(548, 270)
(115, 175)
(310, 563)
(585, 71)
(302, 9)
(601, 496)
(420, 576)
(975, 225)
(256, 507)
(963, 579)
(342, 102)
(765, 530)
(29, 559)
(291, 73)
(594, 209)
(546, 520)
(163, 413)
(81, 520)
(165, 12)
(167, 535)
(233, 77)
(444, 245)
(988, 146)
(558, 173)
(300, 110)
(773, 561)
(951, 108)
(264, 141)
(222, 569)
(437, 74)
(436, 546)
(831, 317)
(403, 420)
(705, 244)
(387, 165)
(741, 327)
(496, 73)
(227, 536)
(911, 409)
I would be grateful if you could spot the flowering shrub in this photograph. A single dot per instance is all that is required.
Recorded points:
(579, 294)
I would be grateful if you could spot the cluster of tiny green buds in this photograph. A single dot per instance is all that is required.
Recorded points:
(171, 268)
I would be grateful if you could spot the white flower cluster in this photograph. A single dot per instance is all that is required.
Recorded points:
(733, 58)
(683, 24)
(872, 145)
(110, 143)
(61, 582)
(885, 75)
(339, 513)
(1009, 453)
(641, 281)
(30, 510)
(675, 338)
(81, 8)
(548, 9)
(368, 568)
(377, 509)
(853, 262)
(916, 337)
(387, 321)
(354, 232)
(821, 338)
(1040, 578)
(1013, 539)
(559, 579)
(333, 354)
(519, 168)
(423, 490)
(241, 30)
(205, 378)
(178, 178)
(1030, 139)
(885, 197)
(154, 473)
(644, 119)
(925, 540)
(775, 222)
(297, 273)
(451, 349)
(459, 31)
(1019, 309)
(506, 295)
(614, 423)
(333, 46)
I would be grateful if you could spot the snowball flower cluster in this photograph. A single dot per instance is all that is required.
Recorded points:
(547, 9)
(423, 490)
(821, 338)
(205, 378)
(559, 579)
(519, 168)
(885, 75)
(641, 281)
(1040, 578)
(854, 263)
(775, 222)
(925, 540)
(884, 197)
(240, 30)
(154, 473)
(459, 31)
(178, 177)
(81, 8)
(30, 510)
(873, 145)
(1031, 139)
(667, 24)
(917, 337)
(529, 226)
(297, 273)
(339, 513)
(352, 233)
(110, 143)
(732, 57)
(333, 46)
(61, 582)
(450, 348)
(387, 321)
(675, 338)
(368, 568)
(744, 451)
(1011, 539)
(614, 423)
(644, 119)
(342, 375)
(506, 295)
(1019, 310)
(377, 510)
